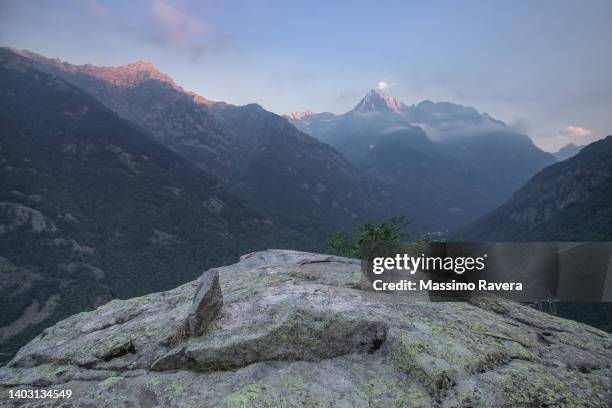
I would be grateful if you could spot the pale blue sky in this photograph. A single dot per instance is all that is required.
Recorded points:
(543, 66)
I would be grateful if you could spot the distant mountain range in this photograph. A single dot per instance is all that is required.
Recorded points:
(92, 208)
(445, 163)
(439, 163)
(257, 155)
(567, 151)
(568, 201)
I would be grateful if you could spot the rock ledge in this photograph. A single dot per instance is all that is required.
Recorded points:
(294, 329)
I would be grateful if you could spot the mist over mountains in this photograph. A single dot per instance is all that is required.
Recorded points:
(448, 163)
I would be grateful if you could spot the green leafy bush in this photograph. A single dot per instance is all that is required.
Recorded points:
(390, 232)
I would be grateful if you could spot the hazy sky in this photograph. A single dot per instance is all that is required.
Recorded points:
(542, 66)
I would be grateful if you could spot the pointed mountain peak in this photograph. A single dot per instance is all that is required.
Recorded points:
(378, 101)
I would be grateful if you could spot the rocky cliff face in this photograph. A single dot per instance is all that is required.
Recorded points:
(286, 328)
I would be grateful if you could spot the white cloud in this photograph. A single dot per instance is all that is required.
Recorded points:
(382, 85)
(173, 25)
(575, 131)
(176, 26)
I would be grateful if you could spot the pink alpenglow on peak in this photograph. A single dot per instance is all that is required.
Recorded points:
(298, 115)
(377, 100)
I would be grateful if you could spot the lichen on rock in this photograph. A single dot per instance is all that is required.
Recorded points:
(293, 329)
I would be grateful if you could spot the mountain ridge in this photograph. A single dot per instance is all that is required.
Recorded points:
(567, 151)
(127, 75)
(556, 204)
(212, 136)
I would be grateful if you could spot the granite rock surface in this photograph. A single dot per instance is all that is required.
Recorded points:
(296, 329)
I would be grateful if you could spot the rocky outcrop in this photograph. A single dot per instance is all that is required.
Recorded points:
(206, 303)
(297, 329)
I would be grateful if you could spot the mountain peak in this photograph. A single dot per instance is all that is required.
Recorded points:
(377, 100)
(143, 67)
(299, 115)
(128, 75)
(567, 151)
